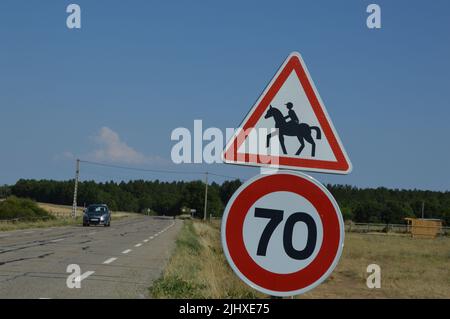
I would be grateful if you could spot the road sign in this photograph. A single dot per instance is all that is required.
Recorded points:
(282, 233)
(292, 125)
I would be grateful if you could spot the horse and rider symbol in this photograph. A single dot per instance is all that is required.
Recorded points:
(290, 126)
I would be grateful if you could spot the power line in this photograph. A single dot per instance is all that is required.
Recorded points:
(151, 171)
(156, 170)
(225, 176)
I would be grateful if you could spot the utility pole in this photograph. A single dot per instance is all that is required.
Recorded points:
(77, 174)
(423, 208)
(206, 196)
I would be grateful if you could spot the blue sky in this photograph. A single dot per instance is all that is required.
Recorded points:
(138, 69)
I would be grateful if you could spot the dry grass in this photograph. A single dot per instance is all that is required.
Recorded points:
(198, 268)
(59, 209)
(410, 268)
(216, 276)
(66, 211)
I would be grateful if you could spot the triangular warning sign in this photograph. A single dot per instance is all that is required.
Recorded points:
(289, 127)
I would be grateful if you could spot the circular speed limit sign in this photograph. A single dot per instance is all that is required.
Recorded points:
(282, 233)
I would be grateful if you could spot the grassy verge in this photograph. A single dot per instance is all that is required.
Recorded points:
(198, 268)
(40, 224)
(66, 221)
(410, 268)
(60, 215)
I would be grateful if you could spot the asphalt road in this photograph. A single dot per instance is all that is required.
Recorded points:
(119, 261)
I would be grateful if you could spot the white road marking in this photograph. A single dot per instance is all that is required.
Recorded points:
(145, 240)
(126, 251)
(56, 240)
(110, 260)
(152, 237)
(92, 233)
(138, 245)
(84, 276)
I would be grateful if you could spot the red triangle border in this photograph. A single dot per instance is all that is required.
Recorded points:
(342, 164)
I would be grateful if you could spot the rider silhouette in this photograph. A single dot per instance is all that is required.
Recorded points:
(291, 114)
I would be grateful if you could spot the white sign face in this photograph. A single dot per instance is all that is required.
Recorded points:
(290, 115)
(282, 233)
(276, 259)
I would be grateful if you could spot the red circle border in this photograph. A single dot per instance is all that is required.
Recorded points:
(331, 232)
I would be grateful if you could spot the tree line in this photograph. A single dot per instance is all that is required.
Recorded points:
(168, 198)
(383, 205)
(373, 205)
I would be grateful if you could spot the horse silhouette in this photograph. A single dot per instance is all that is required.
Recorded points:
(301, 130)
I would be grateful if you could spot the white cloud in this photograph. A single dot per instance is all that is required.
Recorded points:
(113, 149)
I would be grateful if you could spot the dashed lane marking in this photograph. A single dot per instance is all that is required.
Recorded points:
(110, 260)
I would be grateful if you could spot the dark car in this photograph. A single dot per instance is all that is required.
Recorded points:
(97, 214)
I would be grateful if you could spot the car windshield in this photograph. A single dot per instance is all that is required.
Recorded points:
(96, 210)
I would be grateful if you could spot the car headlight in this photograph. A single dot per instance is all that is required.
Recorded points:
(102, 217)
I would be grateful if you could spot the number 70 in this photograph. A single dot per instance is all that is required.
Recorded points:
(276, 217)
